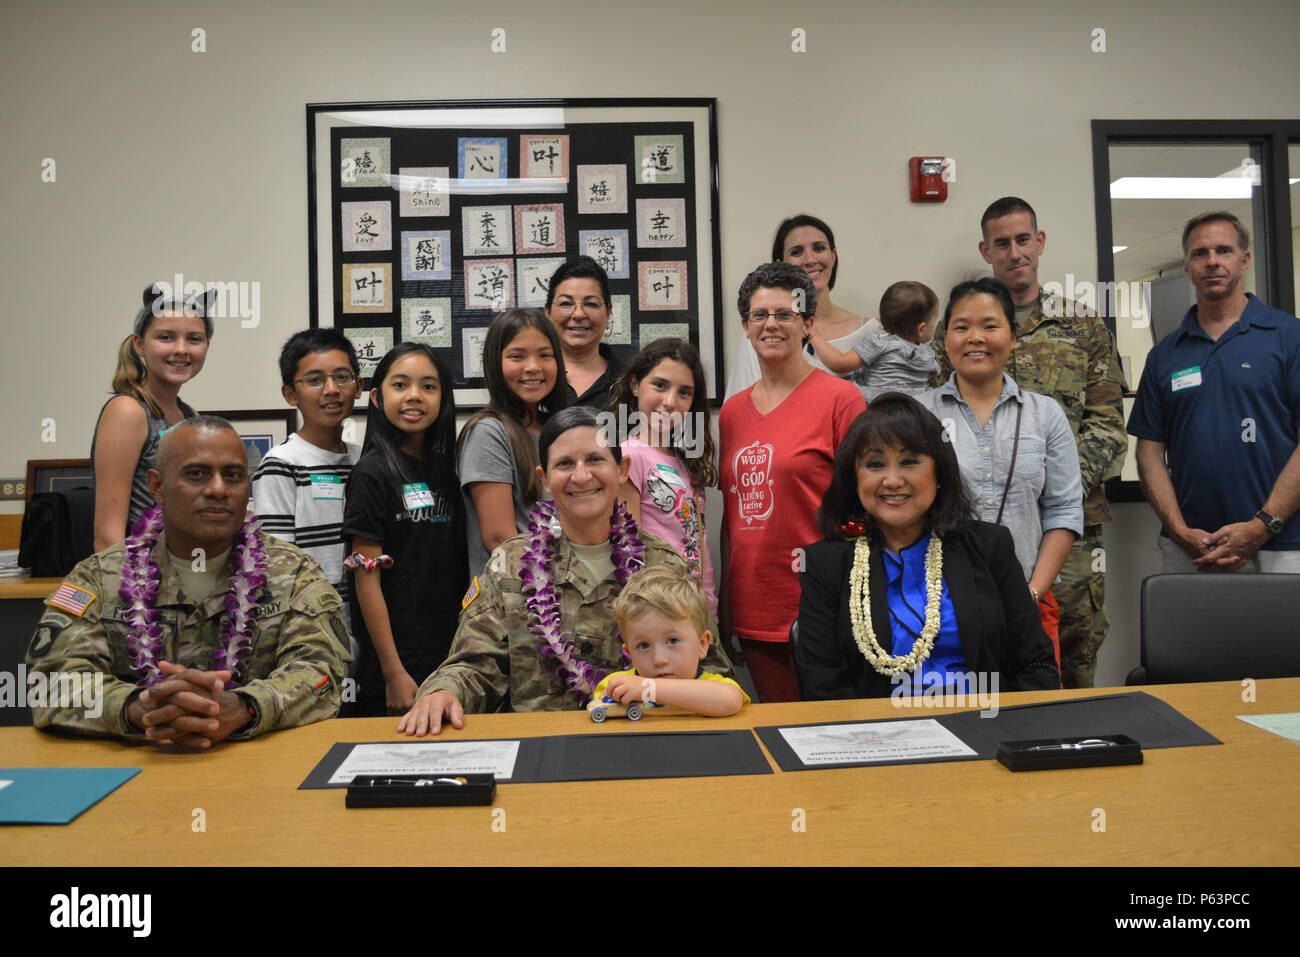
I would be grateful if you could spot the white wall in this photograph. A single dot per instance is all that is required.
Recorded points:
(172, 161)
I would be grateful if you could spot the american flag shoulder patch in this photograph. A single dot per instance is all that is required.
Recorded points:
(71, 599)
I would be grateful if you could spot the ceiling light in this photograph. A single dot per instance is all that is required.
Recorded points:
(1180, 187)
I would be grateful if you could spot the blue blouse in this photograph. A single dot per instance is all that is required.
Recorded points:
(905, 593)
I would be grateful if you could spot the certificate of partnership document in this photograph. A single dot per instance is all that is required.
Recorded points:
(426, 757)
(917, 739)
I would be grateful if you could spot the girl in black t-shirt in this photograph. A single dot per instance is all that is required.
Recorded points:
(404, 516)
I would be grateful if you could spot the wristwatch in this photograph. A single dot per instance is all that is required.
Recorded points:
(253, 713)
(1274, 525)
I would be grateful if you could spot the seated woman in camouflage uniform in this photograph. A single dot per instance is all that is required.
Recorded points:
(537, 629)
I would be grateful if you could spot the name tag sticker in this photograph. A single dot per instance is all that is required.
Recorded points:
(417, 495)
(1186, 378)
(327, 488)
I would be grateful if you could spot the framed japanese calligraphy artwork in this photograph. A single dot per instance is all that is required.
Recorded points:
(426, 219)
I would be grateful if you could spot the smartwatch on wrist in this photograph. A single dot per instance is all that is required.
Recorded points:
(1274, 525)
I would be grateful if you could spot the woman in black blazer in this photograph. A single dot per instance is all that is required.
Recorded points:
(897, 524)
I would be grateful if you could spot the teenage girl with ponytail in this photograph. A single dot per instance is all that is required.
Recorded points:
(166, 350)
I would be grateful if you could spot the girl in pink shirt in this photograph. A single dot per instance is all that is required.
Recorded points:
(660, 416)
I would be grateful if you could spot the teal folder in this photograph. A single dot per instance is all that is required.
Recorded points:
(55, 795)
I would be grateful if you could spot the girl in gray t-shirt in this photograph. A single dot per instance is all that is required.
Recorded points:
(524, 371)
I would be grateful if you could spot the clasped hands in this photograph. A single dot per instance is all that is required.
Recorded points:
(1225, 550)
(188, 707)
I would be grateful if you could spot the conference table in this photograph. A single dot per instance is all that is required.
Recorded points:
(1233, 804)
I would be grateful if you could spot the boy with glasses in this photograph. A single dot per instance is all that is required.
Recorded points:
(299, 485)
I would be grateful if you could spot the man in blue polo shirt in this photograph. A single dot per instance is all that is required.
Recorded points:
(1220, 398)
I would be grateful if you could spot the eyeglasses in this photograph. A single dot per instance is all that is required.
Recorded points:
(783, 317)
(591, 304)
(315, 381)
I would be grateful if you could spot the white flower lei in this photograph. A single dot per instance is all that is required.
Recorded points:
(141, 577)
(860, 609)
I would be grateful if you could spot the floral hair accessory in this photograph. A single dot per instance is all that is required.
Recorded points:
(537, 573)
(139, 592)
(357, 560)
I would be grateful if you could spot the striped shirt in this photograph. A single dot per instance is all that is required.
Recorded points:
(298, 493)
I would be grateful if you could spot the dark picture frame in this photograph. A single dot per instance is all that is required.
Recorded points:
(356, 154)
(261, 429)
(57, 475)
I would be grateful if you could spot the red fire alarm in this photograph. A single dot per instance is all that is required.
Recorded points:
(928, 182)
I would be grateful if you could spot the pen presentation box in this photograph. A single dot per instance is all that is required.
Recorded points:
(421, 790)
(1046, 754)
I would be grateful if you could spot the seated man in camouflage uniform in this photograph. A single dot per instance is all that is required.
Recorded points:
(200, 627)
(537, 631)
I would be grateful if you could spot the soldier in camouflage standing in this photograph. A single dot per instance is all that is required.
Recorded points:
(200, 627)
(1064, 352)
(537, 630)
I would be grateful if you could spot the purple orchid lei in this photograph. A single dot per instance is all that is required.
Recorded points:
(536, 572)
(139, 592)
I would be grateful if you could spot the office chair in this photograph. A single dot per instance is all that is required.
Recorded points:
(1219, 627)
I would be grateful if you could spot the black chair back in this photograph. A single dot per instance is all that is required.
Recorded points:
(1219, 627)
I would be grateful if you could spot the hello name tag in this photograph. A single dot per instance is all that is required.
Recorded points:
(417, 495)
(1186, 378)
(327, 488)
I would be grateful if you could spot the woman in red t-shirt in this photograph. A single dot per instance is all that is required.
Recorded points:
(778, 450)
